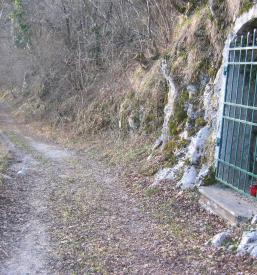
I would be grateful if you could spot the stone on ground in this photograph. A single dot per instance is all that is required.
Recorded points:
(219, 239)
(248, 244)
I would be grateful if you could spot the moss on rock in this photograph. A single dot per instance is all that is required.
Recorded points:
(200, 122)
(210, 179)
(180, 114)
(172, 147)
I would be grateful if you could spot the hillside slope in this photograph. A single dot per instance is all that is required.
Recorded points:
(133, 70)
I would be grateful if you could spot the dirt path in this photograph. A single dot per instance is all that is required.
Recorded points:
(66, 213)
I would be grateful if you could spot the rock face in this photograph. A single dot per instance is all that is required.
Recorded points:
(206, 89)
(141, 110)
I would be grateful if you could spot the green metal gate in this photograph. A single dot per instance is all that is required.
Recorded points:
(237, 163)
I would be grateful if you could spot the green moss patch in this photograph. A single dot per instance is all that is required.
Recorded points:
(200, 122)
(246, 5)
(5, 160)
(180, 115)
(172, 147)
(210, 179)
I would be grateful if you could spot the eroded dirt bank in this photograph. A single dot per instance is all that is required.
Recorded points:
(64, 212)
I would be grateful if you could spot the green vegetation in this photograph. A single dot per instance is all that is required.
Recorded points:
(180, 114)
(22, 144)
(200, 122)
(246, 6)
(188, 7)
(210, 178)
(5, 160)
(21, 27)
(171, 148)
(150, 192)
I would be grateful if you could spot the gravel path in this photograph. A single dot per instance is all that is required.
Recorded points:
(66, 213)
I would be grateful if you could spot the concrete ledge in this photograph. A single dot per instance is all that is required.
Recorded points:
(227, 203)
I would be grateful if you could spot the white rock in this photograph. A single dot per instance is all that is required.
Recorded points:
(169, 108)
(254, 219)
(184, 135)
(202, 174)
(246, 249)
(191, 88)
(22, 172)
(191, 112)
(157, 144)
(248, 243)
(162, 174)
(219, 239)
(168, 173)
(189, 178)
(249, 237)
(231, 247)
(196, 147)
(253, 253)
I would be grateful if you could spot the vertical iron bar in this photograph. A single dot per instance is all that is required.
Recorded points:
(240, 113)
(254, 99)
(247, 104)
(236, 95)
(229, 107)
(254, 162)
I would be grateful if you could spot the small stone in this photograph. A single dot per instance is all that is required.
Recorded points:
(231, 247)
(219, 239)
(21, 173)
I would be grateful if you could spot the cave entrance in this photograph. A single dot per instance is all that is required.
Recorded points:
(237, 160)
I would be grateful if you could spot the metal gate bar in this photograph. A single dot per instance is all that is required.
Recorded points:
(236, 164)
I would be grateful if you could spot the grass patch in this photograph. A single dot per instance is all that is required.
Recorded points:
(23, 145)
(150, 192)
(5, 160)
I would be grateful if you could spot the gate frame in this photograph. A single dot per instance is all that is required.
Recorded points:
(221, 80)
